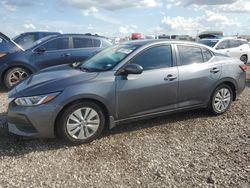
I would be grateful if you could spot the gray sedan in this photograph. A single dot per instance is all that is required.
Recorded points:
(131, 81)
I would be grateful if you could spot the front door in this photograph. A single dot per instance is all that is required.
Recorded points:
(57, 52)
(153, 91)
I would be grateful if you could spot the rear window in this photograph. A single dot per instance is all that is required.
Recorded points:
(189, 54)
(80, 42)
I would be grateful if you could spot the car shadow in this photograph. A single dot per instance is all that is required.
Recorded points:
(3, 89)
(12, 145)
(158, 121)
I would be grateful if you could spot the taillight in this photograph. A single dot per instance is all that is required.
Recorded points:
(243, 67)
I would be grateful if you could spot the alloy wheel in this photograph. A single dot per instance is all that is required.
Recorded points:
(83, 123)
(222, 100)
(17, 76)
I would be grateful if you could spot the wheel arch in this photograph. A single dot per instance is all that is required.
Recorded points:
(77, 100)
(17, 64)
(231, 83)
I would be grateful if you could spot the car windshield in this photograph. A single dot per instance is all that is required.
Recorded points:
(108, 58)
(211, 43)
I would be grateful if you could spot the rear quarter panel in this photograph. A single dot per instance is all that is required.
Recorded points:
(232, 72)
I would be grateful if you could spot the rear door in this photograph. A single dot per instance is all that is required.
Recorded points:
(153, 91)
(197, 75)
(84, 47)
(237, 48)
(57, 53)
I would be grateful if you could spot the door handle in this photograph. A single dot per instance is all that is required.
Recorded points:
(170, 77)
(66, 55)
(215, 70)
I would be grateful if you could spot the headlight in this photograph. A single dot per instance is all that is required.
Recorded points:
(35, 100)
(2, 54)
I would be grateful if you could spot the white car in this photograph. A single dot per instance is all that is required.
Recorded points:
(233, 47)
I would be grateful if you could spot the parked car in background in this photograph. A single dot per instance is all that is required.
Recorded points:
(131, 81)
(233, 47)
(26, 39)
(46, 52)
(136, 36)
(7, 45)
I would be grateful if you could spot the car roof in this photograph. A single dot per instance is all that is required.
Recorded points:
(152, 41)
(165, 41)
(223, 38)
(82, 35)
(47, 32)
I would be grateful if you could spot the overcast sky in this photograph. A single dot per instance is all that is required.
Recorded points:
(121, 17)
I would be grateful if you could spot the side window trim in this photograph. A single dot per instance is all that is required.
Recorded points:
(157, 45)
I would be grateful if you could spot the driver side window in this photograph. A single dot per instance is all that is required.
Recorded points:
(154, 58)
(56, 44)
(223, 45)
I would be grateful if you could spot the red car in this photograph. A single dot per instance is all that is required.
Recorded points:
(136, 36)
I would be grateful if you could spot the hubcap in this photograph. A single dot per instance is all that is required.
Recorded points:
(83, 123)
(222, 100)
(17, 76)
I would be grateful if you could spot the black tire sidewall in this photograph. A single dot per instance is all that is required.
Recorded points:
(214, 111)
(9, 72)
(61, 126)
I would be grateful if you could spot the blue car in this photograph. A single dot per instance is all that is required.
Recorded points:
(19, 63)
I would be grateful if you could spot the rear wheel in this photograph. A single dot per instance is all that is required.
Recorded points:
(244, 59)
(81, 123)
(221, 99)
(14, 76)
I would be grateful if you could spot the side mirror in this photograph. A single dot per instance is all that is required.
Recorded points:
(132, 69)
(40, 49)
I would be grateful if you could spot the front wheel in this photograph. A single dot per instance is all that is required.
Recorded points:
(14, 76)
(221, 99)
(81, 123)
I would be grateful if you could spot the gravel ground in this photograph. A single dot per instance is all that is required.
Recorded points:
(191, 149)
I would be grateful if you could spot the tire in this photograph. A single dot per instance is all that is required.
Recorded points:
(74, 128)
(221, 99)
(244, 59)
(14, 76)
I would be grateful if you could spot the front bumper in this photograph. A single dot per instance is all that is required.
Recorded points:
(35, 121)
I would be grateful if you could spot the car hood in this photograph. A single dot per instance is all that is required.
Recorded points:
(9, 45)
(51, 80)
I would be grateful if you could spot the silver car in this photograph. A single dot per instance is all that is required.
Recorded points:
(127, 82)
